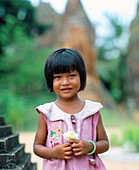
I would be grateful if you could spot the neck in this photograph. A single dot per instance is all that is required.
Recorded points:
(70, 106)
(68, 101)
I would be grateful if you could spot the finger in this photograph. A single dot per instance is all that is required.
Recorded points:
(75, 145)
(78, 153)
(68, 157)
(68, 149)
(76, 150)
(67, 144)
(74, 140)
(69, 153)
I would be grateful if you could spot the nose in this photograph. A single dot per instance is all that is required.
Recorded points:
(65, 81)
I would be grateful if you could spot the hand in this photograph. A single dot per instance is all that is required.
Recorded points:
(63, 151)
(80, 147)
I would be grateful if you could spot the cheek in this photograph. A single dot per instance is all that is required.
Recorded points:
(56, 84)
(78, 83)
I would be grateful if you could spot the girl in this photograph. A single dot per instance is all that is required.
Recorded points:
(65, 75)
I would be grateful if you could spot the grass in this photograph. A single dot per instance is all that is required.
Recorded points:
(111, 119)
(122, 130)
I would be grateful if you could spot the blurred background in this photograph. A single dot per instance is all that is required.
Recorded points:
(106, 34)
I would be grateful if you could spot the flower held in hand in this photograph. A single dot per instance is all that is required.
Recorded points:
(70, 135)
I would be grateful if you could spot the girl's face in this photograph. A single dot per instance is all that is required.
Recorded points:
(66, 85)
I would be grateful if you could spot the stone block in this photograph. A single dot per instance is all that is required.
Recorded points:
(33, 166)
(8, 142)
(11, 158)
(2, 121)
(24, 163)
(5, 130)
(12, 155)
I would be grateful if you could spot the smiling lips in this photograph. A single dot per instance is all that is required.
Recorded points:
(66, 90)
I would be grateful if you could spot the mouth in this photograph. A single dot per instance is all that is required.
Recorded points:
(66, 90)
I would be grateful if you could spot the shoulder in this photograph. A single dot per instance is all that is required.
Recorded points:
(44, 108)
(94, 104)
(93, 107)
(51, 111)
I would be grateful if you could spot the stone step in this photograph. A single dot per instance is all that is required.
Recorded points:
(8, 142)
(5, 130)
(11, 158)
(33, 166)
(2, 121)
(23, 164)
(12, 155)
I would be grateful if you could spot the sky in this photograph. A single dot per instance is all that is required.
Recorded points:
(124, 9)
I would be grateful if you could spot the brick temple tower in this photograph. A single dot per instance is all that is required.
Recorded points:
(73, 29)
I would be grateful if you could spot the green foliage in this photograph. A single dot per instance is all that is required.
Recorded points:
(17, 13)
(22, 10)
(111, 66)
(110, 75)
(110, 119)
(131, 137)
(13, 108)
(6, 30)
(115, 140)
(20, 110)
(22, 85)
(12, 14)
(128, 138)
(115, 24)
(22, 65)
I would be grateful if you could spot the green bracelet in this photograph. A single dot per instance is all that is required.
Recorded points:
(93, 149)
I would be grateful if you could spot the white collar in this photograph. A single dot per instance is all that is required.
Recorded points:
(54, 113)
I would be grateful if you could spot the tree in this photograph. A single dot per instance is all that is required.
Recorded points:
(15, 13)
(21, 62)
(112, 58)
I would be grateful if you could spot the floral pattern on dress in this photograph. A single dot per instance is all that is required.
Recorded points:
(55, 137)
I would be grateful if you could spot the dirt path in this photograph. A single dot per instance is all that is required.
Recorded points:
(27, 138)
(111, 164)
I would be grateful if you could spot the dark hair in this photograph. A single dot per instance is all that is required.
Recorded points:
(61, 61)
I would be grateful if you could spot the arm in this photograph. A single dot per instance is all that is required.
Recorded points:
(102, 143)
(62, 151)
(81, 147)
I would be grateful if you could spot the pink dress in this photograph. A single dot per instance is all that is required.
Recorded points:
(84, 123)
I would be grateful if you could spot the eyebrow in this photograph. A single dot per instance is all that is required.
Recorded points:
(73, 71)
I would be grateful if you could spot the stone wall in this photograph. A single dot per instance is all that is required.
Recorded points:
(12, 155)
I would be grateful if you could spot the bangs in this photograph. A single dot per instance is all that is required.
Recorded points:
(63, 63)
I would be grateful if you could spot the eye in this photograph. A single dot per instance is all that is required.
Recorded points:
(72, 75)
(57, 77)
